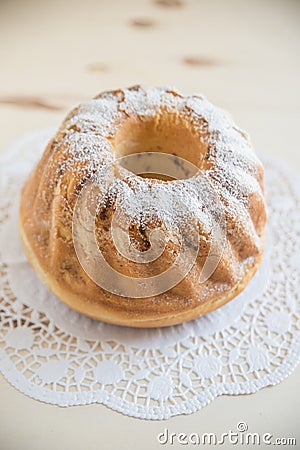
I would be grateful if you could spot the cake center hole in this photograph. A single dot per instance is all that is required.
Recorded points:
(166, 147)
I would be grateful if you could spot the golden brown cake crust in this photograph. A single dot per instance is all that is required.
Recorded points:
(110, 126)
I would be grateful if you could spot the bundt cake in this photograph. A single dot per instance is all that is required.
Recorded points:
(146, 209)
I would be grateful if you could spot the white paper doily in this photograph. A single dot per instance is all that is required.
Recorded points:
(56, 355)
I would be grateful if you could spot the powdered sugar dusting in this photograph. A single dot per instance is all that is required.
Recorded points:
(143, 102)
(177, 204)
(233, 173)
(98, 116)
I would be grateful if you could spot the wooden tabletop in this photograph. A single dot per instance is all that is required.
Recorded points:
(244, 56)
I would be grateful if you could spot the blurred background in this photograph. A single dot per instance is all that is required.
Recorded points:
(243, 55)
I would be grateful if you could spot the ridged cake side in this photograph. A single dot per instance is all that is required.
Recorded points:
(88, 139)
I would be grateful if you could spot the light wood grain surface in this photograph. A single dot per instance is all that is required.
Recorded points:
(244, 56)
